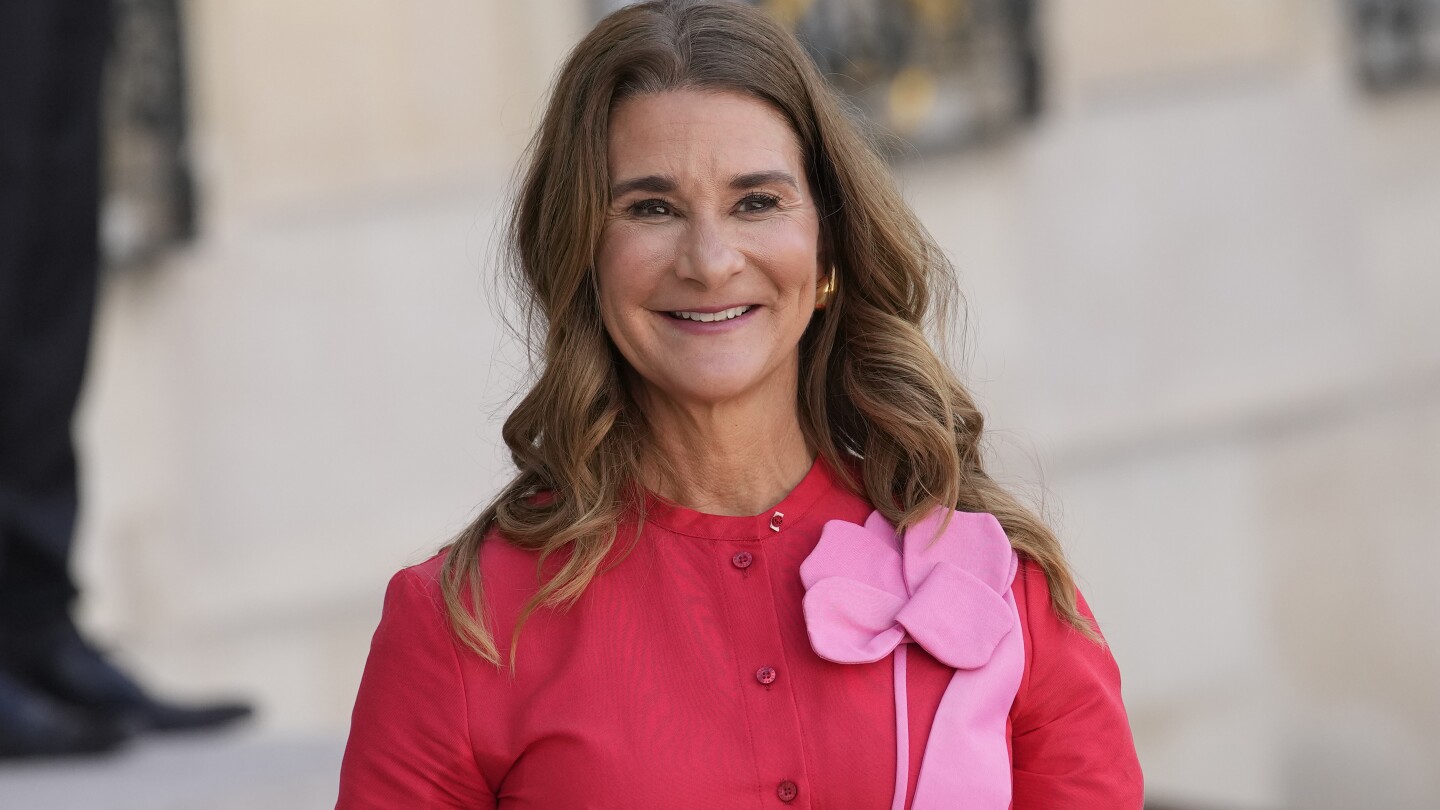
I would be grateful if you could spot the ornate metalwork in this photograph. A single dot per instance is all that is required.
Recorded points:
(150, 199)
(934, 73)
(1396, 42)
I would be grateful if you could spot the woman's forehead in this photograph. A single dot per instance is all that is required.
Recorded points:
(698, 133)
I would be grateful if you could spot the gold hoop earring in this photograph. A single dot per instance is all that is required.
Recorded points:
(826, 292)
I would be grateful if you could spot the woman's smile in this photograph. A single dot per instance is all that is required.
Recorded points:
(711, 321)
(713, 315)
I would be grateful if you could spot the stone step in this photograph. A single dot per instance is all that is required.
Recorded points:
(219, 771)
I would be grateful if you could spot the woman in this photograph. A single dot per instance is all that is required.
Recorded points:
(729, 571)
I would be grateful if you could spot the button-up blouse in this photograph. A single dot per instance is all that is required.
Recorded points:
(684, 678)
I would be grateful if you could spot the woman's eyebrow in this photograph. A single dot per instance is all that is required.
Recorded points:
(765, 178)
(654, 183)
(665, 184)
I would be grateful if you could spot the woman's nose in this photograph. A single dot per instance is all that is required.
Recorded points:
(710, 257)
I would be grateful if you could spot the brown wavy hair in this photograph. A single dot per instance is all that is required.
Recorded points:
(874, 396)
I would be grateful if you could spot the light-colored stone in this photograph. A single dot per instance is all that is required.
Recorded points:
(1103, 49)
(216, 772)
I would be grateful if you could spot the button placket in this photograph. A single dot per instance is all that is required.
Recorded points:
(760, 653)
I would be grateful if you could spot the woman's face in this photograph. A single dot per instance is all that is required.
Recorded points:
(710, 256)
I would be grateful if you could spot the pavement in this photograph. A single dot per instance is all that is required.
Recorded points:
(213, 771)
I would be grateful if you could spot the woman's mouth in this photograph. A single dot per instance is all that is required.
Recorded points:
(712, 317)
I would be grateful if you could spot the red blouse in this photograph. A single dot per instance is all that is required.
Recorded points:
(684, 678)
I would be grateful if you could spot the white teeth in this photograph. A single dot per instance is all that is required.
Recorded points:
(709, 317)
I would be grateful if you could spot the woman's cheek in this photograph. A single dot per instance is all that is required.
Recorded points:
(657, 247)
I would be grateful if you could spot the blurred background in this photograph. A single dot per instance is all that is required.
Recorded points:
(1200, 246)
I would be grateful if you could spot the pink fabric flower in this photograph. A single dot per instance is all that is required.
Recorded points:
(944, 586)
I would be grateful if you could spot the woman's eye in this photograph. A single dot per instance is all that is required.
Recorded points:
(651, 208)
(754, 203)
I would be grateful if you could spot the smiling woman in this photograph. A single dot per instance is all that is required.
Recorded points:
(750, 555)
(707, 270)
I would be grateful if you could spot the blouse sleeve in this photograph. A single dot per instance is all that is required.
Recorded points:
(409, 736)
(1070, 737)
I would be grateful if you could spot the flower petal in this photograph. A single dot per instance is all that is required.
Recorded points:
(850, 622)
(854, 552)
(957, 618)
(971, 541)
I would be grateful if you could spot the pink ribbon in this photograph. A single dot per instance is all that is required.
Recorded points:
(868, 592)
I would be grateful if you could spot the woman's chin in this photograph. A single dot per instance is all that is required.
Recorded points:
(709, 387)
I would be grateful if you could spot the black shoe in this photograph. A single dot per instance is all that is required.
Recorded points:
(34, 725)
(63, 664)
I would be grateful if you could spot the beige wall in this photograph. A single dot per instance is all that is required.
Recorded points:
(300, 104)
(1106, 48)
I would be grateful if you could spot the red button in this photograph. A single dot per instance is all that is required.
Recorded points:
(765, 675)
(776, 520)
(742, 559)
(787, 791)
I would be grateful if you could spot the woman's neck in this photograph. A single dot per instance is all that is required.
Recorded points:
(730, 459)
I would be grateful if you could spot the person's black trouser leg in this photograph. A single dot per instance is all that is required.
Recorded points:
(57, 693)
(51, 54)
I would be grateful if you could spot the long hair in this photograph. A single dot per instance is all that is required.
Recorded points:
(873, 395)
